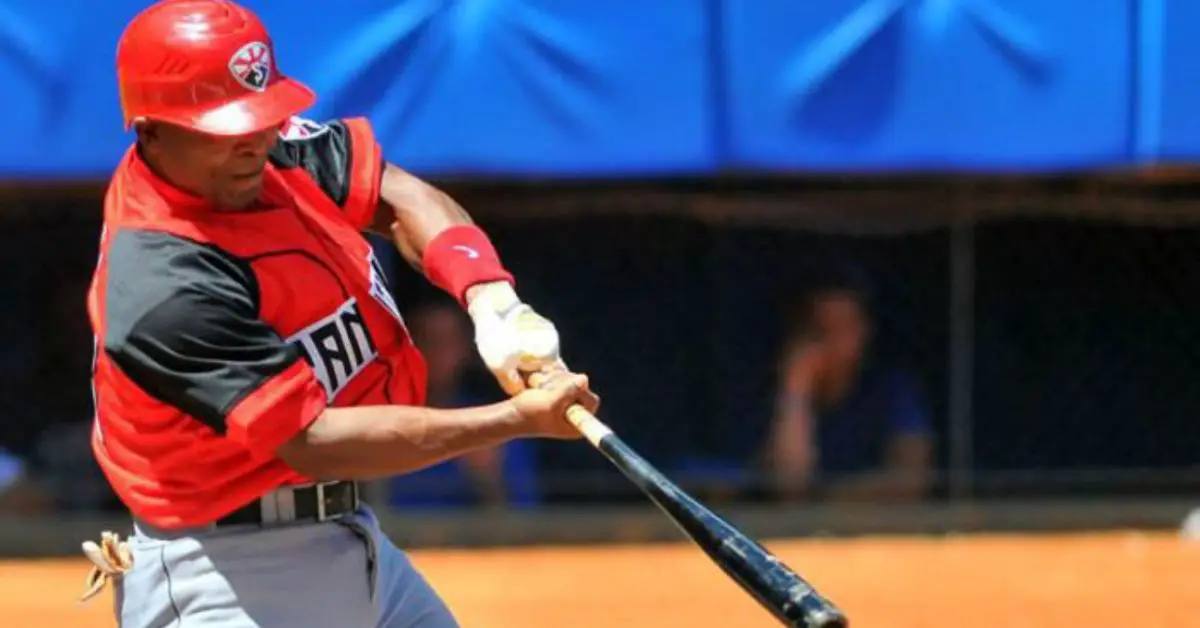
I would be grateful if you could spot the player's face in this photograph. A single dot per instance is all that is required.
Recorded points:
(225, 170)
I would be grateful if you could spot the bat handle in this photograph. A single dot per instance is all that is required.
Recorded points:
(593, 429)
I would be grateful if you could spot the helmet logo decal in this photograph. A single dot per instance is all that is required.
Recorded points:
(251, 66)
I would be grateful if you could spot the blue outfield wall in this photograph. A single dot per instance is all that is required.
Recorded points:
(570, 88)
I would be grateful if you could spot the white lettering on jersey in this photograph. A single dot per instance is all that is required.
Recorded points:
(379, 287)
(338, 347)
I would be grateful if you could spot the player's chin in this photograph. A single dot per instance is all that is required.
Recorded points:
(240, 192)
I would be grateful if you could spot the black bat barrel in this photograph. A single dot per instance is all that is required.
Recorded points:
(776, 587)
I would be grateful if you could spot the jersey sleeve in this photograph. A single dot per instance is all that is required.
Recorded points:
(181, 322)
(342, 157)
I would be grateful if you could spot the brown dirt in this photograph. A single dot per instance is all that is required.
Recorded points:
(1094, 581)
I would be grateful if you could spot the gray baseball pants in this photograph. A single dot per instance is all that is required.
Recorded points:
(337, 574)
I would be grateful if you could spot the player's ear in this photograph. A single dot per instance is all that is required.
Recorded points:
(147, 132)
(150, 138)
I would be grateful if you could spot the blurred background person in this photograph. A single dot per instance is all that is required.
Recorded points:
(501, 477)
(847, 427)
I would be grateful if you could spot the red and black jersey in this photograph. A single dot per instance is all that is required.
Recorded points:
(221, 334)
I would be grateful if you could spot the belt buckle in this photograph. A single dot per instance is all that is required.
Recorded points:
(322, 510)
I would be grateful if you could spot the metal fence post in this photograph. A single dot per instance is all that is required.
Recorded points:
(961, 355)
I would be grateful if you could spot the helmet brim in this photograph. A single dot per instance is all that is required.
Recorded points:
(254, 112)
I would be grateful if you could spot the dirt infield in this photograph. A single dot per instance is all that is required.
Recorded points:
(1096, 581)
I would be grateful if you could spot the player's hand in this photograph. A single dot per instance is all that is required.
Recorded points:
(543, 408)
(513, 340)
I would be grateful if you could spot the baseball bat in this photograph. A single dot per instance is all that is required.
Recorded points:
(787, 596)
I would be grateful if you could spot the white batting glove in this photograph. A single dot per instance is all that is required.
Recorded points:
(513, 340)
(111, 558)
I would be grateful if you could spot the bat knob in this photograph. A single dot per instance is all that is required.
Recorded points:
(824, 617)
(817, 612)
(827, 620)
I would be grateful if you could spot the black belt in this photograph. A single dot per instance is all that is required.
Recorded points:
(316, 502)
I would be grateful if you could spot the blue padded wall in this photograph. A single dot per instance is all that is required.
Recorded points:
(515, 86)
(946, 84)
(1170, 85)
(58, 87)
(570, 88)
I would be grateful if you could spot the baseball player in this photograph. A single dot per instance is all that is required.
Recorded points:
(250, 363)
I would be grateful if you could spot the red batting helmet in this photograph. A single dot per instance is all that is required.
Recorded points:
(207, 65)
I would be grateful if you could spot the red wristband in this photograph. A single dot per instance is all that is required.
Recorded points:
(460, 257)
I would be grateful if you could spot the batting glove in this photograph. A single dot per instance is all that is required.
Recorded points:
(111, 558)
(513, 340)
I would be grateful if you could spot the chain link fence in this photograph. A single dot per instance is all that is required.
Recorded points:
(1086, 340)
(1037, 350)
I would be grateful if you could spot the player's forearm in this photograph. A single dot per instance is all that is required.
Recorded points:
(437, 236)
(378, 441)
(417, 212)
